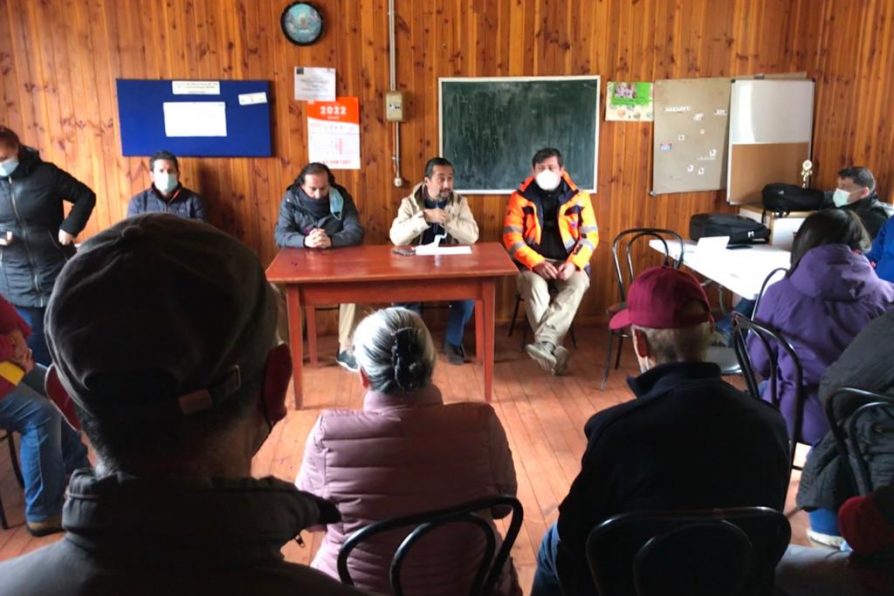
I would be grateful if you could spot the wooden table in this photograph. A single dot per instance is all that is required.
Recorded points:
(373, 274)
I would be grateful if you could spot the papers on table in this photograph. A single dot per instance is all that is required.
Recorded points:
(435, 248)
(195, 118)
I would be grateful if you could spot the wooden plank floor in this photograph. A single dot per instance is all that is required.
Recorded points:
(543, 417)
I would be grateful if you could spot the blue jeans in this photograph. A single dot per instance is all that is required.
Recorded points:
(37, 341)
(546, 577)
(49, 449)
(725, 324)
(460, 313)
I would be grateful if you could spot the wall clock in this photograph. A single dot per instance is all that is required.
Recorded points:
(302, 23)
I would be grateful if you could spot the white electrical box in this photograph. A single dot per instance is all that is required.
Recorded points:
(394, 106)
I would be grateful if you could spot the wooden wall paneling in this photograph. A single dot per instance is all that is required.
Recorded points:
(60, 59)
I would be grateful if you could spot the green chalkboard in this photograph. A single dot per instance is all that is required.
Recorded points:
(490, 128)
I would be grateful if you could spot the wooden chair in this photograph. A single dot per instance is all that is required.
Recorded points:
(466, 514)
(624, 244)
(14, 462)
(862, 423)
(712, 552)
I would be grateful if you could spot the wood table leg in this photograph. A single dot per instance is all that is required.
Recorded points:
(293, 305)
(488, 293)
(310, 314)
(479, 331)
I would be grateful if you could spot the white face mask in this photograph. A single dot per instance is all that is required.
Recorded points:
(840, 197)
(548, 180)
(8, 166)
(165, 182)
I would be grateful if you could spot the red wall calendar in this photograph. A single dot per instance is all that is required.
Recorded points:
(333, 132)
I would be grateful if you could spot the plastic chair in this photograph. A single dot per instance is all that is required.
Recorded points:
(14, 462)
(624, 244)
(700, 552)
(862, 423)
(742, 327)
(467, 514)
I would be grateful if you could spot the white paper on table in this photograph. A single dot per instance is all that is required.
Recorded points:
(195, 118)
(435, 248)
(314, 84)
(195, 87)
(711, 244)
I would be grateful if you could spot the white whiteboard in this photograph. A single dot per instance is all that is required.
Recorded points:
(772, 113)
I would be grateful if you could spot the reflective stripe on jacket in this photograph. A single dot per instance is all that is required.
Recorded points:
(577, 224)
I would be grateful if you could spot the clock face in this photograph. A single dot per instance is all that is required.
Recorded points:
(302, 23)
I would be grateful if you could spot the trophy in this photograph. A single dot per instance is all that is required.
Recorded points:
(806, 171)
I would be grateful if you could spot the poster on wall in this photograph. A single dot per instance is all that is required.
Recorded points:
(314, 84)
(630, 102)
(333, 132)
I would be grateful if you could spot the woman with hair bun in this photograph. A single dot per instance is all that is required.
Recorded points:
(406, 452)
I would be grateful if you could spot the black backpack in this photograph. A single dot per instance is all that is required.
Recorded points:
(785, 198)
(740, 230)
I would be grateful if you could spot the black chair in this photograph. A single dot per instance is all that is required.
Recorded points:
(766, 282)
(467, 514)
(701, 552)
(14, 462)
(742, 327)
(862, 423)
(524, 340)
(624, 244)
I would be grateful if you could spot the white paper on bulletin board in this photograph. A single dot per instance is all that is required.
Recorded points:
(690, 137)
(195, 118)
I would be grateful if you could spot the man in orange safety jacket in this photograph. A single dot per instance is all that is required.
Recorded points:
(550, 232)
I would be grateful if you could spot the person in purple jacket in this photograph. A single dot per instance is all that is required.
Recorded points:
(828, 296)
(830, 293)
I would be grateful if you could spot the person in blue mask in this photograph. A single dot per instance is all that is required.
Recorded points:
(166, 194)
(36, 236)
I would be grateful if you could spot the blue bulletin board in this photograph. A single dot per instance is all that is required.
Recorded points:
(195, 118)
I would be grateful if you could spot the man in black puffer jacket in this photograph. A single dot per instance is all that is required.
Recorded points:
(36, 239)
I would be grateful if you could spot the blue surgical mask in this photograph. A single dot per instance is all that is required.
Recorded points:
(840, 197)
(165, 182)
(9, 166)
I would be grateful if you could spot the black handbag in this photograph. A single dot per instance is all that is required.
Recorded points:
(785, 198)
(740, 230)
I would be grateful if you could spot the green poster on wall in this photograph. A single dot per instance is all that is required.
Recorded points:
(628, 101)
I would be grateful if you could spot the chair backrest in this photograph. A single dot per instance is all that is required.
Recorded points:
(862, 423)
(624, 551)
(624, 243)
(770, 277)
(770, 338)
(467, 514)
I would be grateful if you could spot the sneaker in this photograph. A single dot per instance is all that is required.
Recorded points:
(827, 540)
(346, 360)
(542, 352)
(45, 527)
(454, 354)
(563, 355)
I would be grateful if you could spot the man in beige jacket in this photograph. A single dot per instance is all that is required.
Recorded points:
(433, 209)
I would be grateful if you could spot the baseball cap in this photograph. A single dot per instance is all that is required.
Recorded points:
(159, 316)
(658, 299)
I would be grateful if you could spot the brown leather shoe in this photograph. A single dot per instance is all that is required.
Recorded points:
(50, 525)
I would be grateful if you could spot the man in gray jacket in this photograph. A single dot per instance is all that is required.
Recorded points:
(432, 209)
(162, 329)
(320, 214)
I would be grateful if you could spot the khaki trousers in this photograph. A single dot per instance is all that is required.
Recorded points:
(551, 316)
(347, 320)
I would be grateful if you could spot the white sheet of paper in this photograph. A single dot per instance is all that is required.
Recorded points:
(314, 84)
(711, 244)
(248, 99)
(428, 250)
(195, 118)
(195, 87)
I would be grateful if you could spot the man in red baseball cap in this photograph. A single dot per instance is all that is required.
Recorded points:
(688, 440)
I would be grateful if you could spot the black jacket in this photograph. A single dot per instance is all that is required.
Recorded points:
(870, 210)
(31, 209)
(183, 202)
(127, 535)
(688, 441)
(866, 364)
(342, 223)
